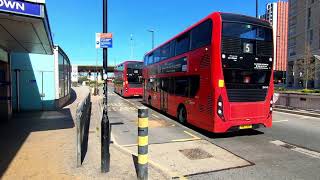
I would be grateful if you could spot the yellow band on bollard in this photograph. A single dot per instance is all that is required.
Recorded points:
(142, 159)
(143, 122)
(143, 141)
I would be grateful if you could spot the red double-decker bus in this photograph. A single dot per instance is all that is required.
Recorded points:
(128, 79)
(216, 75)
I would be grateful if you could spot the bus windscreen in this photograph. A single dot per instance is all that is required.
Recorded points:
(134, 73)
(247, 31)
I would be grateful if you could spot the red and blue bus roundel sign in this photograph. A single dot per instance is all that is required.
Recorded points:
(103, 40)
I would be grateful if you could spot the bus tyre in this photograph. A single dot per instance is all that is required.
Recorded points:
(182, 114)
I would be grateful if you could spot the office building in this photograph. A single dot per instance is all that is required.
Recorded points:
(304, 44)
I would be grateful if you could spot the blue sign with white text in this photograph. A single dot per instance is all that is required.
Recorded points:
(20, 7)
(106, 43)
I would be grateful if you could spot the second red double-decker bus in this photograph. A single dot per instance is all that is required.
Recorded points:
(128, 79)
(216, 75)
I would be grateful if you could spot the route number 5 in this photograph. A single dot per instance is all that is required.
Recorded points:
(248, 48)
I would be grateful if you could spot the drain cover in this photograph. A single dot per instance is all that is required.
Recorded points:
(195, 154)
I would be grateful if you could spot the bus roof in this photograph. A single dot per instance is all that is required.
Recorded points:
(130, 61)
(225, 17)
(243, 18)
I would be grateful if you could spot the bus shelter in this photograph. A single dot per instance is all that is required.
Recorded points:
(24, 28)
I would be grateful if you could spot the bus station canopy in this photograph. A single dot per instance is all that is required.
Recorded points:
(24, 27)
(93, 68)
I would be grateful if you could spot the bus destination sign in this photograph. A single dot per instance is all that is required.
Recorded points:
(179, 65)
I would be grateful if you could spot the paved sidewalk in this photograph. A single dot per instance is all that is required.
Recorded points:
(42, 145)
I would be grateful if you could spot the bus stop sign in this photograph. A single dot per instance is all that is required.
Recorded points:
(103, 40)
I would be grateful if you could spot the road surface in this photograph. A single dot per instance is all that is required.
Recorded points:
(289, 150)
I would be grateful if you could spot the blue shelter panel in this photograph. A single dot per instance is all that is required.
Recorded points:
(37, 87)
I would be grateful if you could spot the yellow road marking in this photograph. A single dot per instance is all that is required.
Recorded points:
(155, 116)
(183, 178)
(129, 145)
(187, 139)
(194, 136)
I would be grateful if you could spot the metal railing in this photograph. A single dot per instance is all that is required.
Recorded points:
(82, 124)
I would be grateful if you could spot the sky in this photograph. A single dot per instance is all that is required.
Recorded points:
(74, 24)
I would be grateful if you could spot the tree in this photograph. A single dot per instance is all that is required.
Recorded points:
(307, 67)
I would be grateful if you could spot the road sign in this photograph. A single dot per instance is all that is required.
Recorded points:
(103, 40)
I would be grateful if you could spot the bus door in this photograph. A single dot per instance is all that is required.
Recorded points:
(144, 89)
(164, 95)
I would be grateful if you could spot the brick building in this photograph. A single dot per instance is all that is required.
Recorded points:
(277, 15)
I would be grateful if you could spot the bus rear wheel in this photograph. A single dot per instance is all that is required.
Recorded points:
(182, 114)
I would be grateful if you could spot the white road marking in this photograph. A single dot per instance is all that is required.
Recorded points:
(280, 121)
(304, 151)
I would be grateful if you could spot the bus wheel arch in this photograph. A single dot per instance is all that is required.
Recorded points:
(182, 113)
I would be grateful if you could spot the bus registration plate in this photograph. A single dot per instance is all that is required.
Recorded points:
(246, 127)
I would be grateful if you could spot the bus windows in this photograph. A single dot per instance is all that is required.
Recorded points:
(165, 52)
(150, 59)
(182, 86)
(183, 44)
(201, 35)
(172, 48)
(165, 84)
(194, 85)
(146, 60)
(156, 56)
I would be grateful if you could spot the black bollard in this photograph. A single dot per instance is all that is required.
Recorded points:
(143, 122)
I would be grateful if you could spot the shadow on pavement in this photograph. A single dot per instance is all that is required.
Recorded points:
(135, 162)
(73, 97)
(14, 133)
(84, 144)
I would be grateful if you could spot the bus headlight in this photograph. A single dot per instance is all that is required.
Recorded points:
(220, 108)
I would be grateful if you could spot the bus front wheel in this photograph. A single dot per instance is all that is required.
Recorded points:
(182, 114)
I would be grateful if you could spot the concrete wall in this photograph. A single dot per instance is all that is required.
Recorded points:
(299, 101)
(37, 82)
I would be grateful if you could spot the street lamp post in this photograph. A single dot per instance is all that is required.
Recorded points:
(152, 33)
(257, 8)
(131, 46)
(105, 124)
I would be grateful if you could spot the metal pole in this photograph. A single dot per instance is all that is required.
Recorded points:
(105, 124)
(96, 89)
(152, 36)
(257, 8)
(152, 39)
(18, 88)
(131, 43)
